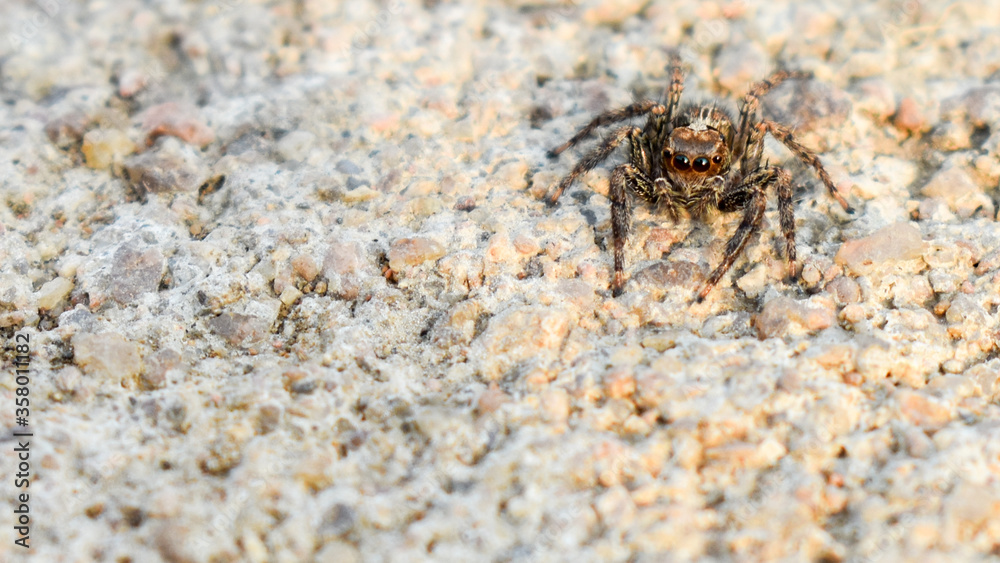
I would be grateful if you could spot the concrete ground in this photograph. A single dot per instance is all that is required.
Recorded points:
(292, 292)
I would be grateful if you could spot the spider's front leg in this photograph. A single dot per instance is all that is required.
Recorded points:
(751, 104)
(626, 179)
(807, 156)
(749, 195)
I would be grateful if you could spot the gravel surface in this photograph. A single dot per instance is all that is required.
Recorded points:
(293, 292)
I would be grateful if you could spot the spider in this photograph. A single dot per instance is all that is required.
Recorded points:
(693, 159)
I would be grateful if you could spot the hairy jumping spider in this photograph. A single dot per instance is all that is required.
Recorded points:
(695, 159)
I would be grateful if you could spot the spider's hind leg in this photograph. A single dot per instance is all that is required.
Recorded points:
(595, 157)
(607, 118)
(786, 214)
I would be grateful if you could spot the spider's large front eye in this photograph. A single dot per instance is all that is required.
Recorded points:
(681, 162)
(701, 164)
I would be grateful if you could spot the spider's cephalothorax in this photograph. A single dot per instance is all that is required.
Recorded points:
(694, 159)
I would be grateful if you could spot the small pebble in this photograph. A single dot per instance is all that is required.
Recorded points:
(295, 146)
(413, 251)
(107, 356)
(465, 203)
(942, 282)
(67, 129)
(171, 168)
(988, 263)
(844, 290)
(157, 366)
(951, 136)
(811, 274)
(853, 378)
(520, 334)
(979, 106)
(922, 410)
(663, 276)
(661, 342)
(360, 194)
(499, 249)
(934, 209)
(909, 118)
(103, 147)
(526, 245)
(338, 552)
(782, 313)
(619, 384)
(556, 404)
(174, 120)
(15, 291)
(491, 399)
(237, 328)
(268, 417)
(876, 98)
(289, 296)
(344, 267)
(660, 240)
(912, 292)
(889, 244)
(305, 266)
(955, 186)
(68, 379)
(131, 82)
(355, 183)
(134, 271)
(53, 292)
(612, 12)
(966, 317)
(223, 454)
(987, 377)
(349, 168)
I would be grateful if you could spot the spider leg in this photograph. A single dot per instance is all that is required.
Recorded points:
(626, 179)
(607, 118)
(786, 213)
(659, 122)
(807, 156)
(754, 151)
(748, 195)
(676, 87)
(751, 103)
(596, 156)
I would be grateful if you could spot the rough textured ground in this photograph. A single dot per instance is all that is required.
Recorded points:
(293, 295)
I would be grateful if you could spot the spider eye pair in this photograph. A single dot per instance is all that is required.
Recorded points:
(700, 164)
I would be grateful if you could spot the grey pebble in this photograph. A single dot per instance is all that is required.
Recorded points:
(134, 271)
(348, 167)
